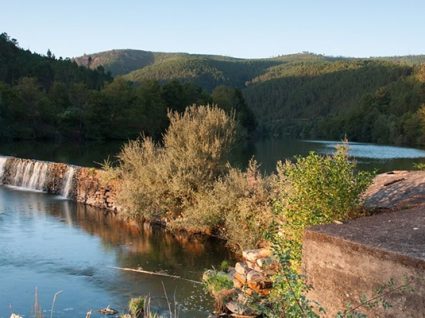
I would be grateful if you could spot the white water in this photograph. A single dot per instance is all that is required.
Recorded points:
(67, 182)
(3, 161)
(28, 174)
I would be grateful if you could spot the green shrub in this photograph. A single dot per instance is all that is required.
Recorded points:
(419, 166)
(216, 281)
(317, 190)
(224, 266)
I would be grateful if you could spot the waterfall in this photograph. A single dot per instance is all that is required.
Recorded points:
(27, 174)
(3, 161)
(38, 175)
(68, 182)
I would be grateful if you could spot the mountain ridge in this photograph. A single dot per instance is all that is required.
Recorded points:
(376, 99)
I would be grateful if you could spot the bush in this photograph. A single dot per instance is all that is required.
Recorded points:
(216, 281)
(163, 181)
(188, 182)
(313, 190)
(237, 208)
(317, 190)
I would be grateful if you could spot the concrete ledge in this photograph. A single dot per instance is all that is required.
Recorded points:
(344, 262)
(396, 190)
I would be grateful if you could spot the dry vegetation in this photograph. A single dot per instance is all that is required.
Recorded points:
(187, 182)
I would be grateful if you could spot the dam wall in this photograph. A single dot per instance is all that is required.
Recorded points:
(69, 181)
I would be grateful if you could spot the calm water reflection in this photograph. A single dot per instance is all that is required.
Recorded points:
(54, 245)
(266, 151)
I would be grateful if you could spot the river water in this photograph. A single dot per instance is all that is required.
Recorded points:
(266, 151)
(54, 245)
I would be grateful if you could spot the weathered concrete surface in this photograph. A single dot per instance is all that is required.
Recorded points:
(396, 190)
(344, 262)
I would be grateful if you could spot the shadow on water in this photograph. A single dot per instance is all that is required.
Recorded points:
(55, 244)
(266, 151)
(89, 154)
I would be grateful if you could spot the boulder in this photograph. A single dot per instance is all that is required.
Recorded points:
(242, 268)
(258, 281)
(237, 284)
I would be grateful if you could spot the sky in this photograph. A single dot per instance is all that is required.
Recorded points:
(248, 29)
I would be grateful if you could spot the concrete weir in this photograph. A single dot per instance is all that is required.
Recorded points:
(344, 262)
(71, 182)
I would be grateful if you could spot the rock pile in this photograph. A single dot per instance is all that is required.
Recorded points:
(251, 276)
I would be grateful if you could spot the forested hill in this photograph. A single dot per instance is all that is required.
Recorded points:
(303, 95)
(44, 97)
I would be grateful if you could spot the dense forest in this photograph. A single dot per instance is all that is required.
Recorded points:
(42, 97)
(121, 93)
(302, 95)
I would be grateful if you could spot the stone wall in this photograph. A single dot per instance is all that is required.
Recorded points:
(90, 190)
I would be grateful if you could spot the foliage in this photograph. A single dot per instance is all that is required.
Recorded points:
(224, 266)
(370, 100)
(342, 95)
(288, 297)
(317, 190)
(163, 181)
(313, 190)
(136, 306)
(237, 207)
(42, 97)
(231, 100)
(419, 166)
(216, 281)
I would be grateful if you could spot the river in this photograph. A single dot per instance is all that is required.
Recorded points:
(54, 245)
(267, 152)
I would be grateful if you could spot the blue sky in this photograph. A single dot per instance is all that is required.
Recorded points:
(250, 28)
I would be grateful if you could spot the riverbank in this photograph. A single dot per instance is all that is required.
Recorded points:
(392, 190)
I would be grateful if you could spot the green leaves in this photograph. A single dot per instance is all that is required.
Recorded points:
(313, 190)
(317, 190)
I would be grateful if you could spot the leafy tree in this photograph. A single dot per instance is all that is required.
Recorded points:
(231, 99)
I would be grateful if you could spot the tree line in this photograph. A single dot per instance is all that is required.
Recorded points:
(369, 101)
(42, 97)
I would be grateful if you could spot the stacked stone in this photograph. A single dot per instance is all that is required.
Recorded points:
(252, 276)
(91, 191)
(253, 273)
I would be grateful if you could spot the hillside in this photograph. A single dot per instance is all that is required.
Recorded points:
(301, 95)
(42, 97)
